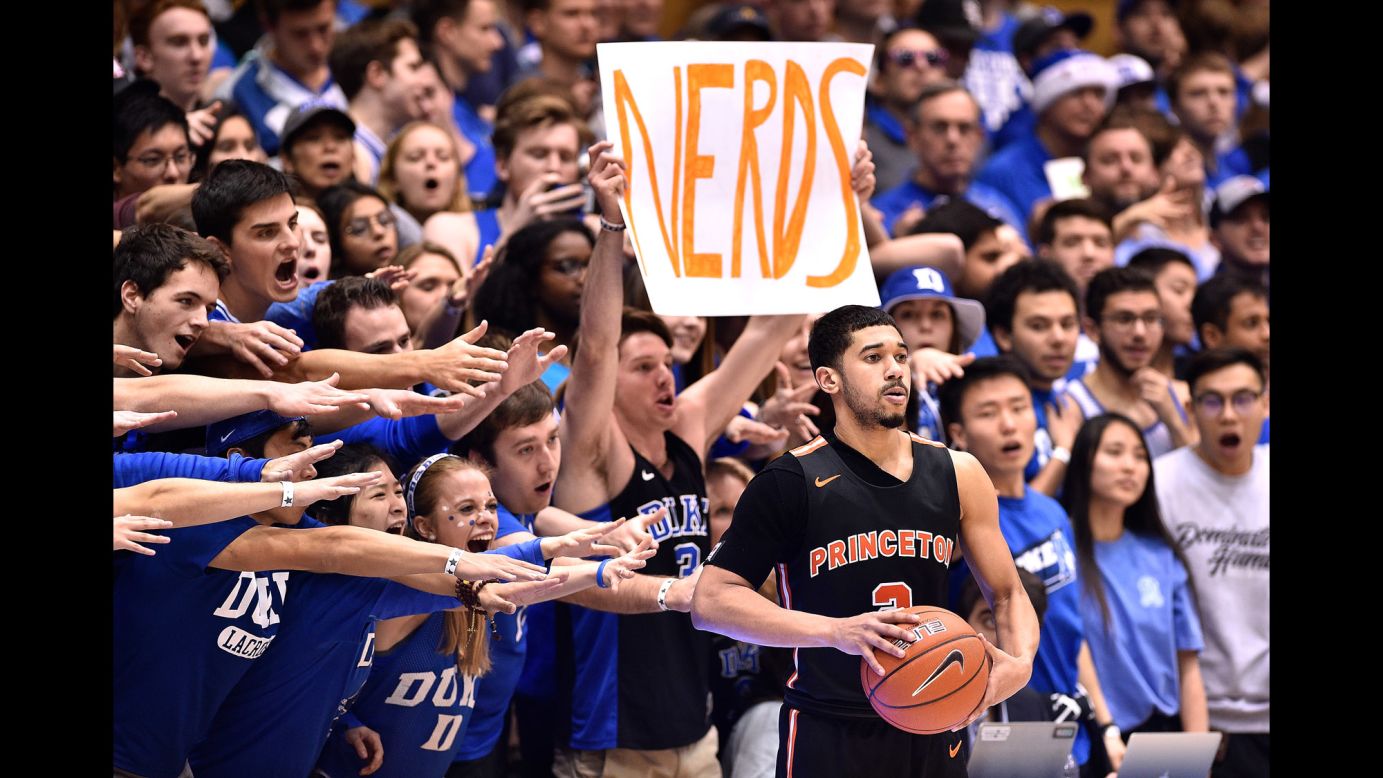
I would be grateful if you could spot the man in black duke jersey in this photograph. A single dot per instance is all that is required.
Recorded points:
(859, 523)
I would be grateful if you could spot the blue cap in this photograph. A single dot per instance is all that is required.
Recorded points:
(928, 283)
(229, 433)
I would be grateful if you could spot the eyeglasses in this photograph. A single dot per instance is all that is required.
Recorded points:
(568, 267)
(1124, 320)
(361, 224)
(908, 57)
(181, 158)
(1213, 403)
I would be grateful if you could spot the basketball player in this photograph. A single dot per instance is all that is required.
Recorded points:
(807, 513)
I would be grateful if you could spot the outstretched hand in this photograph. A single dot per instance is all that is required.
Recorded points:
(137, 360)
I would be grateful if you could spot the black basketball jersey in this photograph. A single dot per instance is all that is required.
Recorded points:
(658, 661)
(865, 547)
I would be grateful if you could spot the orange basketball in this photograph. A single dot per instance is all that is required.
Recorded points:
(938, 681)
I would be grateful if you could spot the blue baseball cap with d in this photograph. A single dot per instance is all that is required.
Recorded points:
(229, 433)
(928, 283)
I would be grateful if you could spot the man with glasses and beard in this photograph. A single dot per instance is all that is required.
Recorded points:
(1123, 315)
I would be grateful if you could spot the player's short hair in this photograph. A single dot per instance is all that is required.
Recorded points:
(961, 218)
(1210, 360)
(531, 404)
(139, 108)
(370, 40)
(1080, 207)
(336, 302)
(271, 10)
(1112, 281)
(1036, 276)
(1215, 298)
(1153, 260)
(143, 18)
(831, 334)
(148, 254)
(951, 395)
(633, 321)
(1211, 61)
(228, 190)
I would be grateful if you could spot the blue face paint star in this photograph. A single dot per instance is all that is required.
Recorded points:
(472, 522)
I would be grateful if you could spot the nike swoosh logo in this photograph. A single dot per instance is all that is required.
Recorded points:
(820, 483)
(953, 658)
(226, 436)
(955, 749)
(647, 476)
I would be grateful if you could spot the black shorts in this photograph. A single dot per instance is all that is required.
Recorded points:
(814, 745)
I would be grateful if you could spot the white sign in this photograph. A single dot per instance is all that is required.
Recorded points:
(739, 156)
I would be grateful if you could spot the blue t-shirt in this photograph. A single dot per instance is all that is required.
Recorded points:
(1040, 537)
(1021, 123)
(875, 113)
(1263, 436)
(276, 720)
(507, 653)
(1151, 618)
(892, 203)
(406, 440)
(554, 375)
(297, 315)
(984, 345)
(487, 223)
(1234, 162)
(480, 171)
(995, 78)
(1016, 172)
(1042, 440)
(417, 701)
(136, 468)
(202, 627)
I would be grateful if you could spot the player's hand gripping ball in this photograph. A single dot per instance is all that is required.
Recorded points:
(938, 681)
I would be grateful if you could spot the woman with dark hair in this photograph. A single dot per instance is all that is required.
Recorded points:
(1136, 600)
(361, 229)
(537, 281)
(233, 137)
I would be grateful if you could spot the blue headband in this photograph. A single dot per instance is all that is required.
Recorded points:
(418, 476)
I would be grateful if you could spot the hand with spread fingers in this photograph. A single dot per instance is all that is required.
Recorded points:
(130, 531)
(137, 360)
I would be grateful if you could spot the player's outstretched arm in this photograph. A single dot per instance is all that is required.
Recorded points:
(190, 501)
(992, 565)
(363, 552)
(200, 400)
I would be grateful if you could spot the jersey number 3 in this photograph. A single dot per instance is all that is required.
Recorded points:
(894, 594)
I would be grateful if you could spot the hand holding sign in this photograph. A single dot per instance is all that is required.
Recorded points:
(608, 180)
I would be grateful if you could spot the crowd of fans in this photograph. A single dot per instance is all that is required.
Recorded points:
(410, 480)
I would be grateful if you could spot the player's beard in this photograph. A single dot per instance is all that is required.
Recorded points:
(1111, 357)
(869, 410)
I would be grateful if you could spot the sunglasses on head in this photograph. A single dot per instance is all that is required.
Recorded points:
(909, 57)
